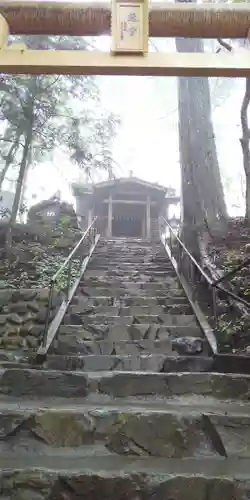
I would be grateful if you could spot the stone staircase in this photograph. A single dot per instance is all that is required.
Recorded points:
(129, 405)
(131, 314)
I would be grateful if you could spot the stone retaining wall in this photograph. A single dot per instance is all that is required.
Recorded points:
(22, 316)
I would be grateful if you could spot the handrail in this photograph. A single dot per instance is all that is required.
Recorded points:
(52, 326)
(216, 284)
(204, 274)
(72, 253)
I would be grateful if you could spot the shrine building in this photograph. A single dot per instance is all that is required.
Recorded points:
(125, 207)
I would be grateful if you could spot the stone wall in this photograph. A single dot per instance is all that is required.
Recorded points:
(23, 315)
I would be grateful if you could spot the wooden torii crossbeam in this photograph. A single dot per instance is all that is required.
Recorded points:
(165, 20)
(130, 52)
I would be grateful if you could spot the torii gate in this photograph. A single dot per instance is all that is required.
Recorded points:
(130, 25)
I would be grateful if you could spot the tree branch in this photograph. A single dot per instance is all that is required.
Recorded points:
(243, 111)
(225, 45)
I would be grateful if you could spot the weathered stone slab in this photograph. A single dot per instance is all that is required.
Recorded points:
(176, 331)
(38, 383)
(135, 272)
(170, 434)
(63, 430)
(161, 319)
(128, 284)
(115, 362)
(10, 423)
(135, 384)
(178, 320)
(118, 267)
(175, 299)
(141, 310)
(99, 319)
(136, 482)
(187, 364)
(85, 309)
(82, 333)
(107, 347)
(177, 309)
(133, 291)
(119, 362)
(79, 339)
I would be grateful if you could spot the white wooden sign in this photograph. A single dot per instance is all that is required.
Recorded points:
(130, 27)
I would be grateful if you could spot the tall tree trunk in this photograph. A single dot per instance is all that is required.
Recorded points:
(244, 141)
(245, 144)
(9, 160)
(202, 192)
(22, 197)
(28, 108)
(19, 185)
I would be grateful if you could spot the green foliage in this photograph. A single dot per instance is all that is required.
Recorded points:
(240, 281)
(40, 114)
(33, 265)
(227, 329)
(48, 267)
(232, 260)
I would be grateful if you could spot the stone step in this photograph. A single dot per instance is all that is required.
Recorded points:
(125, 362)
(131, 253)
(118, 255)
(153, 363)
(148, 261)
(129, 285)
(78, 432)
(182, 345)
(83, 309)
(125, 347)
(131, 273)
(132, 291)
(109, 476)
(136, 332)
(138, 248)
(161, 319)
(111, 310)
(96, 300)
(149, 404)
(127, 246)
(125, 240)
(127, 261)
(104, 386)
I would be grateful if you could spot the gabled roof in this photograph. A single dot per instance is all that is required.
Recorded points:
(133, 180)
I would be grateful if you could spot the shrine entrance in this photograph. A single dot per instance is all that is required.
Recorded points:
(125, 226)
(129, 220)
(126, 206)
